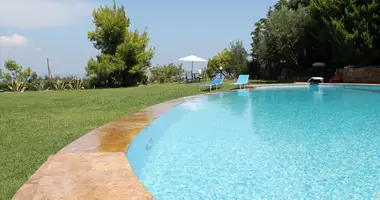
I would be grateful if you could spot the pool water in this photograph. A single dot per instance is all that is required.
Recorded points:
(270, 143)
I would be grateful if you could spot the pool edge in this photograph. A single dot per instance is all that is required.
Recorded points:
(99, 153)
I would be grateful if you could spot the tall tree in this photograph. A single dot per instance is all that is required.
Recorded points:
(238, 58)
(286, 29)
(295, 4)
(111, 24)
(136, 54)
(125, 55)
(296, 33)
(278, 41)
(102, 70)
(259, 49)
(347, 31)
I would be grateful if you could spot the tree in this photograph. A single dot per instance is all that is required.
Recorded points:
(111, 24)
(136, 55)
(254, 67)
(286, 29)
(278, 41)
(237, 58)
(233, 60)
(125, 55)
(16, 72)
(259, 49)
(295, 4)
(347, 31)
(220, 60)
(333, 43)
(297, 33)
(103, 70)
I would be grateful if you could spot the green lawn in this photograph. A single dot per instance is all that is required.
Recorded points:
(34, 125)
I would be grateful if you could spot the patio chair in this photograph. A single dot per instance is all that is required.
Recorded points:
(312, 79)
(216, 82)
(189, 77)
(242, 81)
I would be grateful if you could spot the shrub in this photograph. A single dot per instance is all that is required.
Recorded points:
(76, 84)
(60, 84)
(41, 85)
(17, 86)
(88, 83)
(45, 83)
(38, 84)
(166, 73)
(3, 86)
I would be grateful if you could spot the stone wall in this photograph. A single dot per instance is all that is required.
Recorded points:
(359, 75)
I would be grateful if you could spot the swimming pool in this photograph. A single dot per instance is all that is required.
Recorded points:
(288, 142)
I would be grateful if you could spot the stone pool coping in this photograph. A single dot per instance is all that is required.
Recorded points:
(95, 165)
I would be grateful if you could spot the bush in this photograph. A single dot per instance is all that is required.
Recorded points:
(76, 84)
(38, 84)
(166, 73)
(3, 87)
(56, 83)
(17, 86)
(88, 83)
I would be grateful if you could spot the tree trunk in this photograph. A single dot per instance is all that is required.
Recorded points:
(109, 81)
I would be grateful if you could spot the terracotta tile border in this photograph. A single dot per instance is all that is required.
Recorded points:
(95, 165)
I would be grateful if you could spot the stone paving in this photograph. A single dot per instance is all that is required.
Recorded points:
(84, 176)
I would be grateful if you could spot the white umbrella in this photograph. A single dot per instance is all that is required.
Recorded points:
(192, 59)
(319, 64)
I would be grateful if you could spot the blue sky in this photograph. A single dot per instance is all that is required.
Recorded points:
(32, 30)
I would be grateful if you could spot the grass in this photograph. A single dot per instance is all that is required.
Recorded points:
(34, 125)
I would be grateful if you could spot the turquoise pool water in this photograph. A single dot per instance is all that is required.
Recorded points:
(319, 142)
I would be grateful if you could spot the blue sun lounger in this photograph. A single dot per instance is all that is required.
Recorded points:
(242, 81)
(215, 82)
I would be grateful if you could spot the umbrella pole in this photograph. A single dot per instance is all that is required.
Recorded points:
(192, 66)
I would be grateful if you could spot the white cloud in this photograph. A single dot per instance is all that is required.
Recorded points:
(14, 40)
(43, 13)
